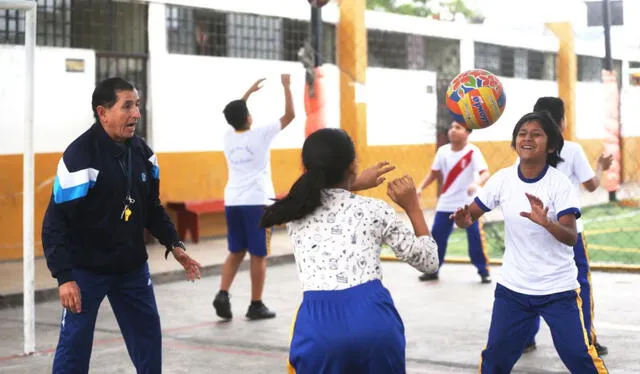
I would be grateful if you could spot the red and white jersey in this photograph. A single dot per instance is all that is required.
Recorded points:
(459, 170)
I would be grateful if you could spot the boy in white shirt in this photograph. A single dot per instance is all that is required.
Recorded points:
(249, 189)
(539, 274)
(577, 168)
(461, 168)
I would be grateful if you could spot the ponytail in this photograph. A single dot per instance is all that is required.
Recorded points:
(303, 198)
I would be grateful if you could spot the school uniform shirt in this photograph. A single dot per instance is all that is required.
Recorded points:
(459, 170)
(338, 245)
(534, 262)
(249, 165)
(576, 167)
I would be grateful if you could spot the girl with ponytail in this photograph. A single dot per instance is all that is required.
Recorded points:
(337, 237)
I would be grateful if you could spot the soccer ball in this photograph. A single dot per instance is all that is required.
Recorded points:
(318, 3)
(476, 99)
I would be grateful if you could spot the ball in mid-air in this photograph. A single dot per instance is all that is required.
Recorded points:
(476, 99)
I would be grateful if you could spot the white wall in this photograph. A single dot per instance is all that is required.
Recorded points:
(522, 95)
(190, 93)
(62, 99)
(630, 111)
(590, 109)
(400, 110)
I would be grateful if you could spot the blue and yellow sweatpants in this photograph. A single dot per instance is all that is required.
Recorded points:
(581, 257)
(356, 330)
(513, 319)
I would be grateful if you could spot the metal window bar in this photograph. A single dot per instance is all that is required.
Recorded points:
(12, 23)
(589, 68)
(387, 49)
(230, 34)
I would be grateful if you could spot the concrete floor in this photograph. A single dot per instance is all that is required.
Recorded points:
(446, 326)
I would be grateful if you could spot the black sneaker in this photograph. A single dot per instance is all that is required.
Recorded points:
(428, 277)
(257, 310)
(601, 349)
(530, 347)
(485, 279)
(223, 306)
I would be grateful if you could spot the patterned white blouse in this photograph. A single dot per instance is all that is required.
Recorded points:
(338, 245)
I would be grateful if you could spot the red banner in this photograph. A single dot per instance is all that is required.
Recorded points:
(611, 177)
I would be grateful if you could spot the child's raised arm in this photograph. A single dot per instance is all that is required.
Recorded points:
(416, 247)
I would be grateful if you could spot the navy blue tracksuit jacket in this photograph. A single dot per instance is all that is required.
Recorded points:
(83, 228)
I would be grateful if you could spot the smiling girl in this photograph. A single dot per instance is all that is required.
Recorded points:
(538, 276)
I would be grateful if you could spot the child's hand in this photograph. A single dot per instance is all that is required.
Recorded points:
(605, 161)
(462, 217)
(285, 79)
(257, 85)
(372, 176)
(538, 212)
(403, 192)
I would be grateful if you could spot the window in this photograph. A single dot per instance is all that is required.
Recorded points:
(416, 52)
(295, 33)
(535, 65)
(507, 62)
(53, 24)
(329, 43)
(521, 63)
(181, 35)
(487, 57)
(589, 69)
(12, 24)
(254, 36)
(216, 33)
(387, 49)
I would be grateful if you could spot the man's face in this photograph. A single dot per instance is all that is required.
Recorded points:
(119, 121)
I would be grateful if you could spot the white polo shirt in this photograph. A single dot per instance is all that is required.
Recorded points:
(576, 167)
(534, 262)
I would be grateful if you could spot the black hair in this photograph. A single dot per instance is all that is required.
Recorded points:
(553, 105)
(468, 129)
(106, 93)
(236, 113)
(549, 126)
(326, 156)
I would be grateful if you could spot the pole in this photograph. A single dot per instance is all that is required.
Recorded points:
(608, 60)
(314, 101)
(316, 34)
(28, 186)
(606, 21)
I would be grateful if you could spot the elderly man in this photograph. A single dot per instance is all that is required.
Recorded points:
(105, 194)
